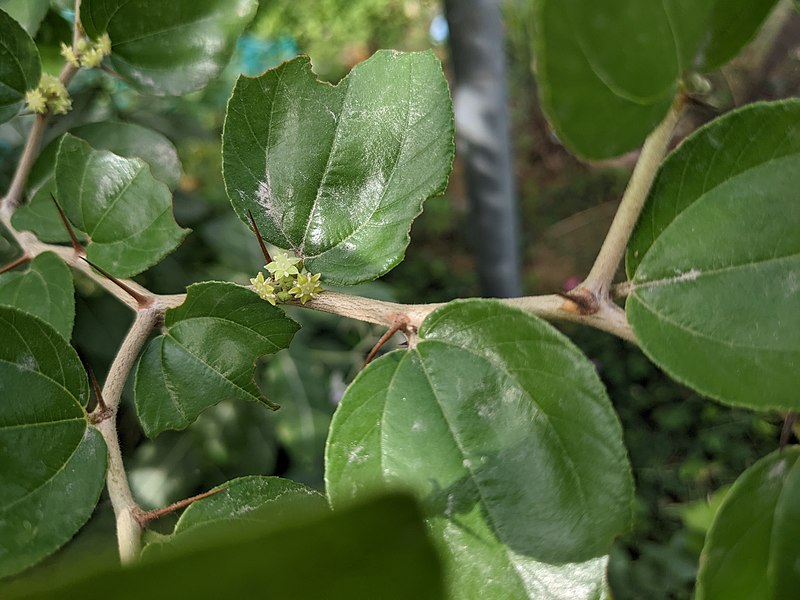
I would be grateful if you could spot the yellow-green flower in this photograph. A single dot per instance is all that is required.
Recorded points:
(283, 266)
(35, 101)
(263, 288)
(104, 44)
(69, 55)
(306, 287)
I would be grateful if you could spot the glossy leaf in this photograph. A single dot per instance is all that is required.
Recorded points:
(206, 354)
(168, 48)
(733, 24)
(375, 550)
(125, 212)
(45, 290)
(715, 259)
(28, 13)
(502, 428)
(52, 462)
(338, 173)
(20, 68)
(242, 503)
(751, 550)
(124, 139)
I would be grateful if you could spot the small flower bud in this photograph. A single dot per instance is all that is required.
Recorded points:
(35, 101)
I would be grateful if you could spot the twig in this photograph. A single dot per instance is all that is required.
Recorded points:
(655, 148)
(129, 530)
(144, 517)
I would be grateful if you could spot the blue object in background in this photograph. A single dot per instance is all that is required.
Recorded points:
(255, 55)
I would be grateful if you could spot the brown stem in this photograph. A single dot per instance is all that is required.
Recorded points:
(16, 262)
(145, 517)
(76, 245)
(260, 239)
(401, 322)
(142, 300)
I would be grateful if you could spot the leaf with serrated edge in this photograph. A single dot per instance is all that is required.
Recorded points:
(20, 67)
(168, 48)
(752, 547)
(123, 139)
(714, 261)
(52, 462)
(338, 173)
(206, 354)
(45, 290)
(504, 431)
(125, 212)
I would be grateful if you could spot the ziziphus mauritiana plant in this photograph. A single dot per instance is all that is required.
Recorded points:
(492, 420)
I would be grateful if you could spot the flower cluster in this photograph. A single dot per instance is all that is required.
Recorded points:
(50, 95)
(288, 279)
(87, 54)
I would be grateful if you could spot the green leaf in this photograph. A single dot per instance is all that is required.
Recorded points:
(206, 354)
(376, 550)
(45, 290)
(20, 68)
(242, 503)
(168, 48)
(338, 173)
(125, 212)
(28, 13)
(752, 548)
(503, 429)
(608, 71)
(714, 261)
(733, 24)
(52, 462)
(124, 139)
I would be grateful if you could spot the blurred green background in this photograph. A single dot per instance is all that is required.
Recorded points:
(684, 449)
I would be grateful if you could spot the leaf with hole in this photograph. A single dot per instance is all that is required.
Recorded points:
(206, 354)
(20, 68)
(752, 547)
(52, 461)
(125, 212)
(338, 173)
(503, 430)
(715, 260)
(168, 48)
(124, 139)
(44, 290)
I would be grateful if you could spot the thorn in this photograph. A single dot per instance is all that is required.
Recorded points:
(15, 263)
(144, 517)
(76, 245)
(108, 70)
(400, 322)
(786, 431)
(260, 239)
(101, 412)
(143, 301)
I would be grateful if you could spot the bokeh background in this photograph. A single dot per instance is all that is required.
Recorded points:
(685, 450)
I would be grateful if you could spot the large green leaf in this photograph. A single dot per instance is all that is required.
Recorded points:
(125, 212)
(338, 173)
(376, 550)
(28, 13)
(752, 549)
(125, 139)
(715, 259)
(608, 71)
(168, 48)
(52, 462)
(45, 290)
(20, 68)
(733, 23)
(242, 503)
(206, 354)
(503, 429)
